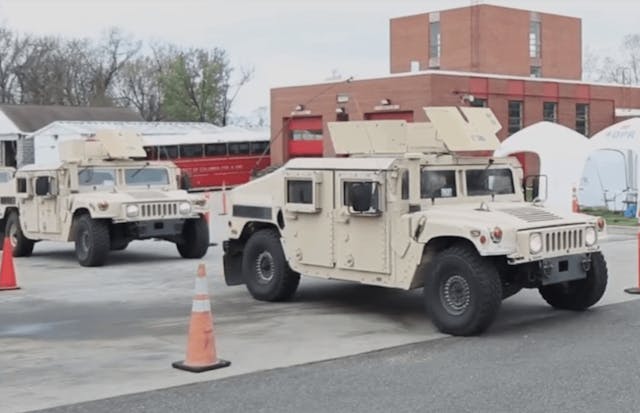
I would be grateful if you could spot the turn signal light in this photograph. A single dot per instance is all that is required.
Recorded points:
(496, 235)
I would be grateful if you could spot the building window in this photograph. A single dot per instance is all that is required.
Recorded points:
(550, 111)
(435, 46)
(534, 39)
(535, 71)
(306, 135)
(582, 118)
(515, 116)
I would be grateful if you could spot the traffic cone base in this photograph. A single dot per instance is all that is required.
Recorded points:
(7, 270)
(199, 369)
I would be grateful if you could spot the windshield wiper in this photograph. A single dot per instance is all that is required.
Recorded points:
(133, 175)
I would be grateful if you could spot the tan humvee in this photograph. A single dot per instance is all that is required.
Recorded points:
(101, 197)
(407, 210)
(7, 197)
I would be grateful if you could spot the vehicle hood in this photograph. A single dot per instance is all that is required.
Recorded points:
(513, 215)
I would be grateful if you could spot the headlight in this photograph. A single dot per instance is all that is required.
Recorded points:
(185, 208)
(590, 236)
(535, 243)
(132, 211)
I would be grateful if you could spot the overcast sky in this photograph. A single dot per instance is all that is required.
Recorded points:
(289, 42)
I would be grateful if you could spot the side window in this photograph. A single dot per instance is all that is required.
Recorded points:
(437, 184)
(168, 152)
(21, 185)
(259, 148)
(405, 185)
(5, 177)
(362, 197)
(239, 148)
(191, 151)
(216, 149)
(43, 186)
(300, 192)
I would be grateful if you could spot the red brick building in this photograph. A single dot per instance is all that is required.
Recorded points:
(525, 65)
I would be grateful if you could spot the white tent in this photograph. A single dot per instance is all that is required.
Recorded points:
(562, 153)
(613, 173)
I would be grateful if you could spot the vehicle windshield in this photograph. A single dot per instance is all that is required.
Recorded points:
(489, 181)
(97, 177)
(146, 176)
(437, 184)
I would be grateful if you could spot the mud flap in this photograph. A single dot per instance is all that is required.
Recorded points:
(232, 263)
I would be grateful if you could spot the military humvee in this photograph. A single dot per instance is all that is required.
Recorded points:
(7, 197)
(407, 209)
(101, 197)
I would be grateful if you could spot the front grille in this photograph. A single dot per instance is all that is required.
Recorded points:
(563, 240)
(159, 209)
(7, 200)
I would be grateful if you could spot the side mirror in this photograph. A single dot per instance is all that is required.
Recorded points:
(185, 182)
(42, 186)
(535, 188)
(360, 197)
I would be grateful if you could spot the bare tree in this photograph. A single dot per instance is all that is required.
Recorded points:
(230, 92)
(115, 51)
(139, 86)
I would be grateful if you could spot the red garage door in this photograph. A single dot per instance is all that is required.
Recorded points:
(398, 115)
(305, 136)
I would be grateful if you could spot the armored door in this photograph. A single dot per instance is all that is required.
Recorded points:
(361, 229)
(308, 217)
(47, 205)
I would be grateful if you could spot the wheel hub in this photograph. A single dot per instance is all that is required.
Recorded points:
(455, 295)
(13, 235)
(264, 267)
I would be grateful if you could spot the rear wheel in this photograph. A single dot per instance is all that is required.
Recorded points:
(92, 241)
(581, 294)
(22, 246)
(462, 291)
(195, 239)
(265, 269)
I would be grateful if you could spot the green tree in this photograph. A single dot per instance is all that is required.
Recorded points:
(195, 84)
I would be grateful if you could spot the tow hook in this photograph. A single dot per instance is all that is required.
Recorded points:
(586, 264)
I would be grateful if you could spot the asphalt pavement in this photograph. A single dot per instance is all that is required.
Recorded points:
(576, 362)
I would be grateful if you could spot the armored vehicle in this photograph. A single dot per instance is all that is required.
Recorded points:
(405, 205)
(7, 197)
(100, 197)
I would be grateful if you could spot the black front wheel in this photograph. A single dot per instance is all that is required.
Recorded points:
(265, 269)
(195, 239)
(92, 241)
(462, 291)
(581, 294)
(22, 246)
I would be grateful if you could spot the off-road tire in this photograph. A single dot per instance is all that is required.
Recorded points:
(581, 294)
(195, 239)
(92, 241)
(22, 246)
(265, 268)
(460, 272)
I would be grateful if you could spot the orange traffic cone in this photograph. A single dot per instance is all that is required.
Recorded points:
(201, 344)
(7, 271)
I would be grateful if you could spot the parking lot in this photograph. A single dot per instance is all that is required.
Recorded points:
(75, 334)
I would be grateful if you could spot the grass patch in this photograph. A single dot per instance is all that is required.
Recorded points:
(612, 218)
